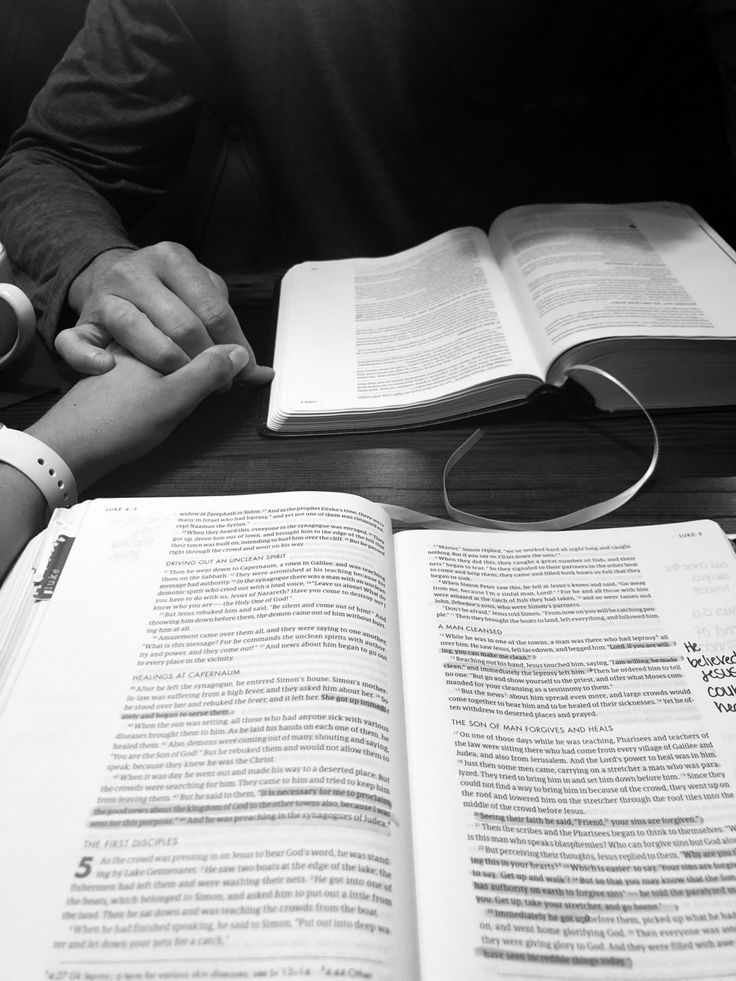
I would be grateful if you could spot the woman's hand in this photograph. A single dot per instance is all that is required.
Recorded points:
(110, 419)
(106, 420)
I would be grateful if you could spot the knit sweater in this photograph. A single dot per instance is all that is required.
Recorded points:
(370, 124)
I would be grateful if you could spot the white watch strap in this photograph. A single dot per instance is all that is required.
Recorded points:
(40, 464)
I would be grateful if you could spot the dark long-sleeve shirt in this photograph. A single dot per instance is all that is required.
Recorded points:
(370, 124)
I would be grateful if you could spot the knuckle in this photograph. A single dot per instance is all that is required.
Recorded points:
(171, 254)
(184, 330)
(104, 306)
(218, 282)
(121, 270)
(120, 317)
(215, 313)
(169, 356)
(167, 248)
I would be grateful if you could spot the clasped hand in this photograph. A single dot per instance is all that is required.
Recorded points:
(159, 303)
(109, 419)
(106, 420)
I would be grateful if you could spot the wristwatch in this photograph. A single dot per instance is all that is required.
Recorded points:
(41, 465)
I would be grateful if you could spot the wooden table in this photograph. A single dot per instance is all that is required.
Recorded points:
(534, 462)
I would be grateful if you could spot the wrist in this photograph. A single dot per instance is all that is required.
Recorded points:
(82, 431)
(41, 464)
(76, 452)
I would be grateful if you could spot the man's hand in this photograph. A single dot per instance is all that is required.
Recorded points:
(159, 303)
(113, 418)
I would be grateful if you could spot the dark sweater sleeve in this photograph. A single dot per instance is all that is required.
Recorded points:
(104, 139)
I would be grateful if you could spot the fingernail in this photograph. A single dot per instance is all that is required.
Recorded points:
(238, 358)
(100, 362)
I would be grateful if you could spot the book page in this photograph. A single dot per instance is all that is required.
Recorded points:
(570, 700)
(584, 272)
(203, 760)
(27, 585)
(405, 328)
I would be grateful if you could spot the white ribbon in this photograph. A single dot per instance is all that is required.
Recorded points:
(571, 520)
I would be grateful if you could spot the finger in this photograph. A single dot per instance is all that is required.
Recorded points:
(133, 330)
(206, 295)
(202, 292)
(170, 314)
(253, 372)
(210, 371)
(257, 374)
(182, 301)
(84, 348)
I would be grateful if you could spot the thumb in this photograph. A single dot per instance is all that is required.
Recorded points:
(85, 348)
(212, 370)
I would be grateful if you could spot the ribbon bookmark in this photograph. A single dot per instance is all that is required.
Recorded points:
(418, 519)
(572, 519)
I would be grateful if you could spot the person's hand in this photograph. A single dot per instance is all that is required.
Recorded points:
(110, 419)
(159, 303)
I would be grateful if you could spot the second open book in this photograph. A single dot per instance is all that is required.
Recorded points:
(265, 738)
(469, 321)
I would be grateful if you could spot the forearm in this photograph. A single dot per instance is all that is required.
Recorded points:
(101, 144)
(80, 431)
(54, 225)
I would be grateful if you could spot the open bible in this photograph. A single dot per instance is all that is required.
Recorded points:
(266, 738)
(468, 321)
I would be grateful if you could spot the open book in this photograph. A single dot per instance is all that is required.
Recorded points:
(469, 321)
(265, 738)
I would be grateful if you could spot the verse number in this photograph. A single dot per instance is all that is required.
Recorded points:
(85, 867)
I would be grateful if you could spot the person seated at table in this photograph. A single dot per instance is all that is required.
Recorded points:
(102, 422)
(368, 126)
